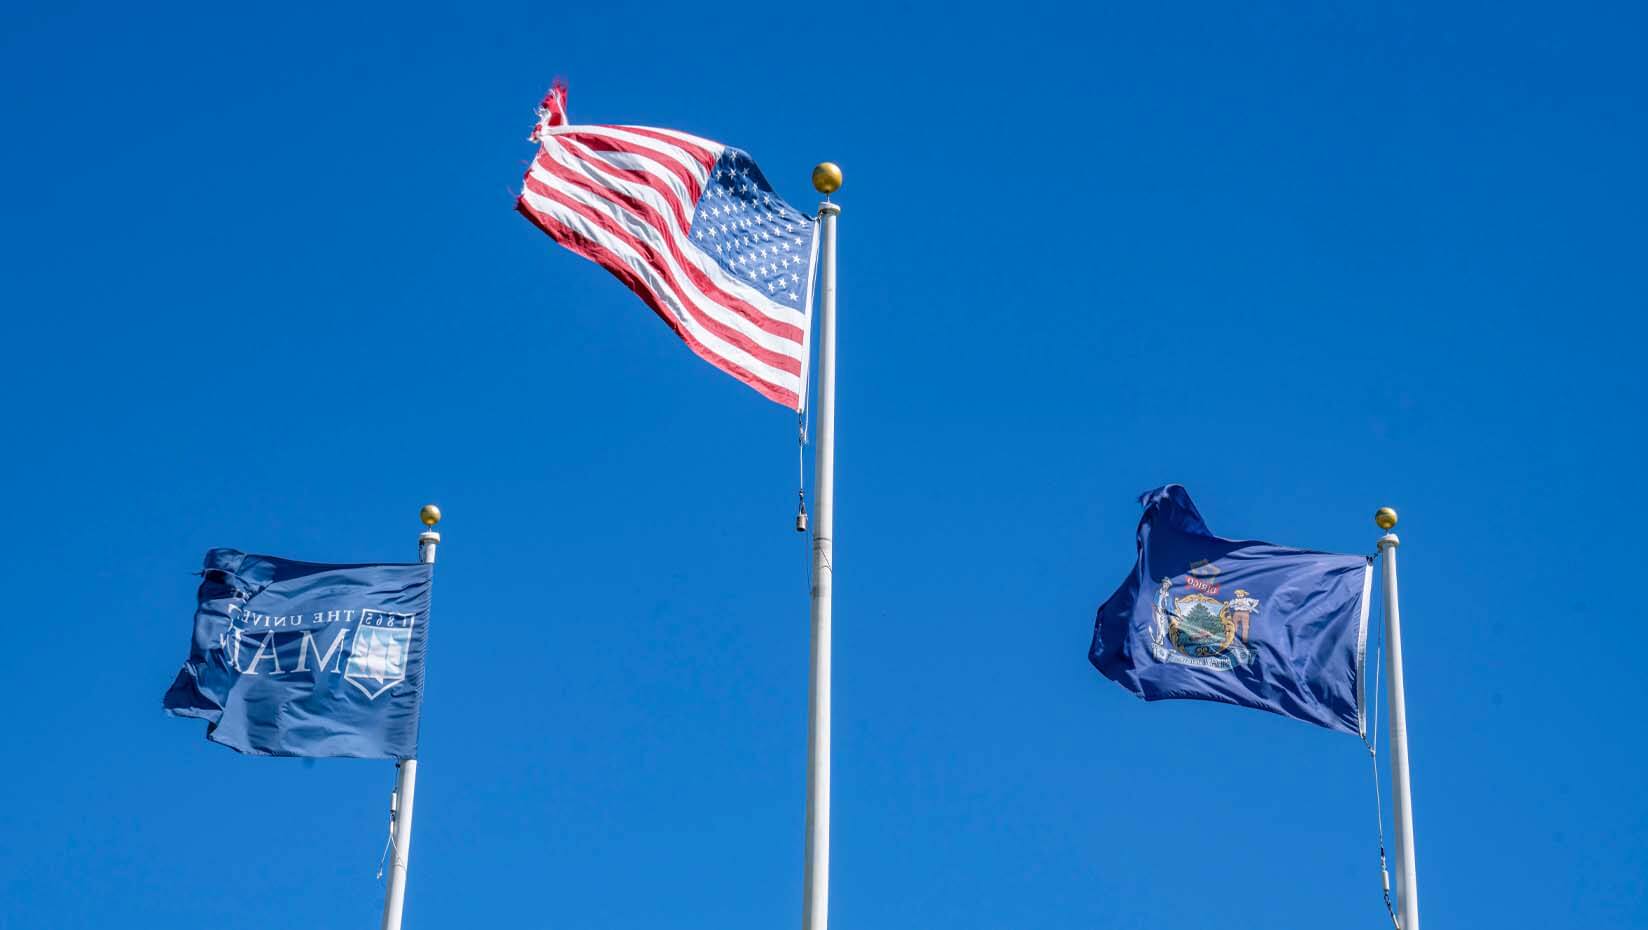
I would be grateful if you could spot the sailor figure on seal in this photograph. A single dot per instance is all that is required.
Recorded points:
(1164, 607)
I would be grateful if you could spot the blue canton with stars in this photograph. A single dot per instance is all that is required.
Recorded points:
(752, 233)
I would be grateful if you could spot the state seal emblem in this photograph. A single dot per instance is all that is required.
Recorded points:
(1196, 627)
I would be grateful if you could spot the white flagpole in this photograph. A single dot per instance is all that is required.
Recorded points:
(816, 913)
(406, 780)
(1407, 888)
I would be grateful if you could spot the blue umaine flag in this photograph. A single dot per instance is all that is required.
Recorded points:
(303, 659)
(1237, 621)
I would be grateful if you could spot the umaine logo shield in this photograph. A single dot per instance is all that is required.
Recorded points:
(378, 657)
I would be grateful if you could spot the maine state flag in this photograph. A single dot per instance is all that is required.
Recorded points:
(1242, 622)
(302, 659)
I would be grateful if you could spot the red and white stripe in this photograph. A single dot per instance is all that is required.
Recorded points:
(624, 196)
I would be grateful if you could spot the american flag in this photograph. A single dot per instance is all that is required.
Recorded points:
(691, 226)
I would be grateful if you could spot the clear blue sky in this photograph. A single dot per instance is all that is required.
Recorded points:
(263, 288)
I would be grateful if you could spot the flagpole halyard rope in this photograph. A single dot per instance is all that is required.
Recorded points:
(389, 841)
(1378, 801)
(801, 469)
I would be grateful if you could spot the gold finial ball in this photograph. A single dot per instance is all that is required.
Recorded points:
(1385, 517)
(430, 515)
(827, 177)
